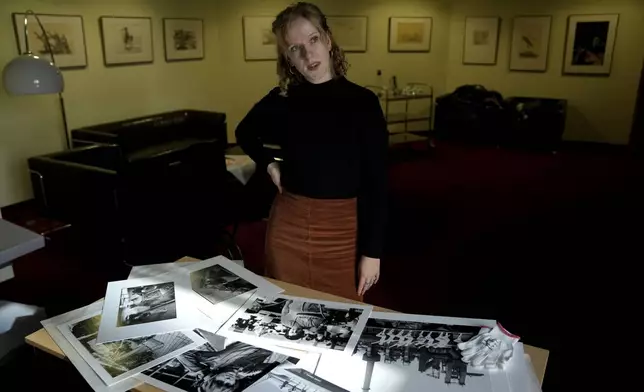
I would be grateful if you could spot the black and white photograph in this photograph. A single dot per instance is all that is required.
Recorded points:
(91, 377)
(146, 304)
(233, 369)
(183, 39)
(530, 42)
(220, 287)
(299, 323)
(590, 42)
(410, 353)
(118, 360)
(149, 306)
(63, 37)
(126, 40)
(293, 380)
(217, 284)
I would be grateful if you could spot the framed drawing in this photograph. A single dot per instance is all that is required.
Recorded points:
(183, 39)
(126, 40)
(589, 44)
(350, 32)
(530, 42)
(259, 41)
(410, 34)
(481, 42)
(65, 33)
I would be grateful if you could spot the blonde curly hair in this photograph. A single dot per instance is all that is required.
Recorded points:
(288, 75)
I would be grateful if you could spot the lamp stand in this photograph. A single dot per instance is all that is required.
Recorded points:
(61, 100)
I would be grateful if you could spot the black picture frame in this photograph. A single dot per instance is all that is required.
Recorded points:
(19, 32)
(165, 42)
(498, 40)
(103, 44)
(431, 34)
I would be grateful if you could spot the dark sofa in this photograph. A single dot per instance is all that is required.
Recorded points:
(154, 188)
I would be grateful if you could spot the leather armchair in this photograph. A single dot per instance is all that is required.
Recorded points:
(155, 201)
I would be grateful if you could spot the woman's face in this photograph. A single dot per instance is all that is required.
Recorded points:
(308, 50)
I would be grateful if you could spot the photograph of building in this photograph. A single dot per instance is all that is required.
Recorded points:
(146, 304)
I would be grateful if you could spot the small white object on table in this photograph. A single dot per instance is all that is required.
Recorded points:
(240, 166)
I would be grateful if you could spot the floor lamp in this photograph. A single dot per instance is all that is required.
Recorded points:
(29, 74)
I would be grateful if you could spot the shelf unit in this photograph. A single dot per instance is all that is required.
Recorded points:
(405, 118)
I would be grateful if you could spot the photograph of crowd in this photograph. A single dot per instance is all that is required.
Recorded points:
(293, 380)
(427, 348)
(310, 324)
(233, 369)
(146, 304)
(120, 357)
(217, 284)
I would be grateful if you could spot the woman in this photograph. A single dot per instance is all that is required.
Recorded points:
(330, 209)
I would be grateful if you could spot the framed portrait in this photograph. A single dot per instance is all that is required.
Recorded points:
(64, 33)
(481, 42)
(530, 42)
(589, 44)
(126, 40)
(183, 39)
(350, 32)
(410, 34)
(259, 41)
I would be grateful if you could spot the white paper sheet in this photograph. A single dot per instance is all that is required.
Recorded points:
(220, 287)
(233, 369)
(293, 379)
(51, 326)
(148, 306)
(520, 372)
(119, 360)
(410, 353)
(152, 270)
(300, 323)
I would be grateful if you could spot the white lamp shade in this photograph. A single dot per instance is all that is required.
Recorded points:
(30, 74)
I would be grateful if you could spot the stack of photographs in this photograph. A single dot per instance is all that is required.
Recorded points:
(215, 326)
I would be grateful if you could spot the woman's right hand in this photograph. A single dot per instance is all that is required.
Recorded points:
(274, 171)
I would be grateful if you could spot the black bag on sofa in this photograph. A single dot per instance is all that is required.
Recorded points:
(471, 114)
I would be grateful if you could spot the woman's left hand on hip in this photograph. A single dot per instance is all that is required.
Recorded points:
(369, 271)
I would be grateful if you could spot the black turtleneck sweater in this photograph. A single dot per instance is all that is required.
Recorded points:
(334, 143)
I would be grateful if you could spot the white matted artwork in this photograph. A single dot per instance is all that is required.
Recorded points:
(530, 42)
(293, 379)
(481, 41)
(234, 368)
(299, 323)
(51, 326)
(220, 287)
(259, 41)
(142, 307)
(126, 40)
(121, 359)
(183, 38)
(403, 352)
(410, 34)
(350, 32)
(64, 33)
(590, 43)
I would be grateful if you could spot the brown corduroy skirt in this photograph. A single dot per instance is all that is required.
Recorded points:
(312, 243)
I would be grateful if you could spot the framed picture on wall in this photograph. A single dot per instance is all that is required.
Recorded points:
(65, 34)
(481, 42)
(259, 41)
(530, 42)
(410, 34)
(350, 32)
(126, 40)
(183, 39)
(589, 44)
